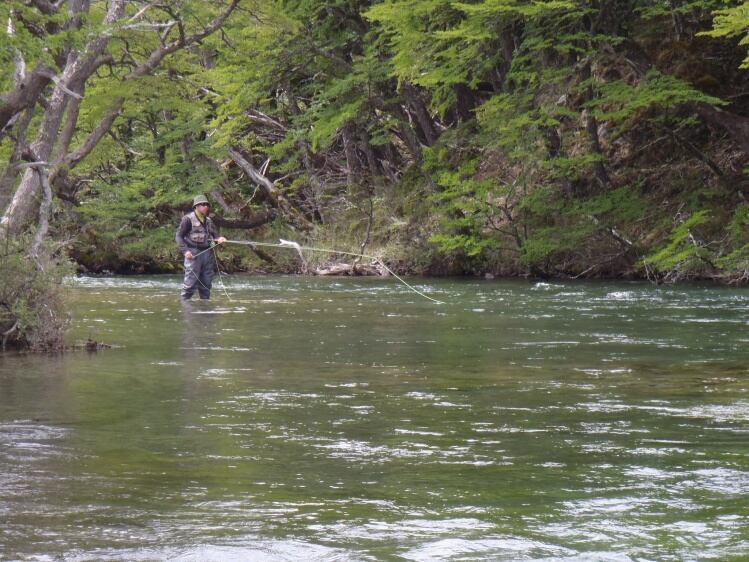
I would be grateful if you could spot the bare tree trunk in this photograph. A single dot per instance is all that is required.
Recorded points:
(23, 204)
(316, 186)
(256, 220)
(71, 159)
(426, 123)
(44, 210)
(465, 104)
(352, 160)
(68, 130)
(591, 126)
(270, 193)
(375, 169)
(507, 48)
(407, 134)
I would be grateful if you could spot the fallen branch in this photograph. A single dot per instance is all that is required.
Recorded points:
(269, 190)
(348, 269)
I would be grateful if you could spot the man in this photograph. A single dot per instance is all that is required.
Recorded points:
(195, 236)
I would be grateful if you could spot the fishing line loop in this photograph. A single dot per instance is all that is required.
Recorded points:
(299, 248)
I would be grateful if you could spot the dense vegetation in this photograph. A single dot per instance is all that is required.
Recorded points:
(507, 137)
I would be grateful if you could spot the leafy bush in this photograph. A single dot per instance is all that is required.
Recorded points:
(32, 312)
(684, 256)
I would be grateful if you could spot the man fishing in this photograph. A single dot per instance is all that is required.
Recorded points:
(196, 236)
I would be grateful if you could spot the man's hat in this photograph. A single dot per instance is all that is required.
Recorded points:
(199, 199)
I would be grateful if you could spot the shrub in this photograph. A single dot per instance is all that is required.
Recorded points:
(32, 312)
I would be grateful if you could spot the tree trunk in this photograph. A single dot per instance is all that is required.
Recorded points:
(426, 124)
(44, 211)
(254, 221)
(407, 134)
(268, 189)
(591, 126)
(23, 204)
(375, 169)
(78, 68)
(352, 159)
(465, 104)
(507, 48)
(68, 130)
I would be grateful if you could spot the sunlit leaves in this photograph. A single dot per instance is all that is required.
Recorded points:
(733, 22)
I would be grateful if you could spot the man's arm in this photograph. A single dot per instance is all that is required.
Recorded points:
(184, 227)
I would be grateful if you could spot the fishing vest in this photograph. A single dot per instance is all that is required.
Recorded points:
(199, 234)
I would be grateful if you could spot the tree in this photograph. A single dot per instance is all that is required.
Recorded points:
(160, 30)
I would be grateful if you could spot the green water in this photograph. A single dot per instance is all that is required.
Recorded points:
(319, 419)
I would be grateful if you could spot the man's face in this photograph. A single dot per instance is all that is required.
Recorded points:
(204, 208)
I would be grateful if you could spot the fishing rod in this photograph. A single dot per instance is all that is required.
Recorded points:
(299, 248)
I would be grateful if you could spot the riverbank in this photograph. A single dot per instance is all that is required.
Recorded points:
(241, 261)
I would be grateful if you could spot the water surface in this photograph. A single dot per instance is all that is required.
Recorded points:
(297, 418)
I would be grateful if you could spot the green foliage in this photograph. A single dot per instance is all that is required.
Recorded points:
(736, 260)
(697, 8)
(439, 44)
(555, 229)
(732, 22)
(624, 104)
(683, 252)
(623, 205)
(537, 250)
(548, 113)
(738, 227)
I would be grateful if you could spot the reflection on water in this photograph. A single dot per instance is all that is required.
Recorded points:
(318, 419)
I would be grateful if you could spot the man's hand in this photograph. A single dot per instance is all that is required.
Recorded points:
(188, 255)
(220, 240)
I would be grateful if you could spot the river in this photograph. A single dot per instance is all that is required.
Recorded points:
(296, 418)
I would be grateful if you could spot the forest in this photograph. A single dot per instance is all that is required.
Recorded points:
(550, 139)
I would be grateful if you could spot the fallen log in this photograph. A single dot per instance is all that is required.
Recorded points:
(350, 269)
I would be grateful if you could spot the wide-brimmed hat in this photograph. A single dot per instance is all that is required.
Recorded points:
(199, 199)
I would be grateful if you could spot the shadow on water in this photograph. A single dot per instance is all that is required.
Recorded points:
(348, 420)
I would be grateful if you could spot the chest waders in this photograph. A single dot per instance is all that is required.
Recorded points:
(199, 271)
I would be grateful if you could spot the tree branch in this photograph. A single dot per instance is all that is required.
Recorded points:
(158, 55)
(72, 159)
(254, 221)
(266, 185)
(272, 195)
(46, 7)
(69, 161)
(42, 170)
(25, 93)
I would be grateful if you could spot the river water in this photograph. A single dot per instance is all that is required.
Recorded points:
(296, 418)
